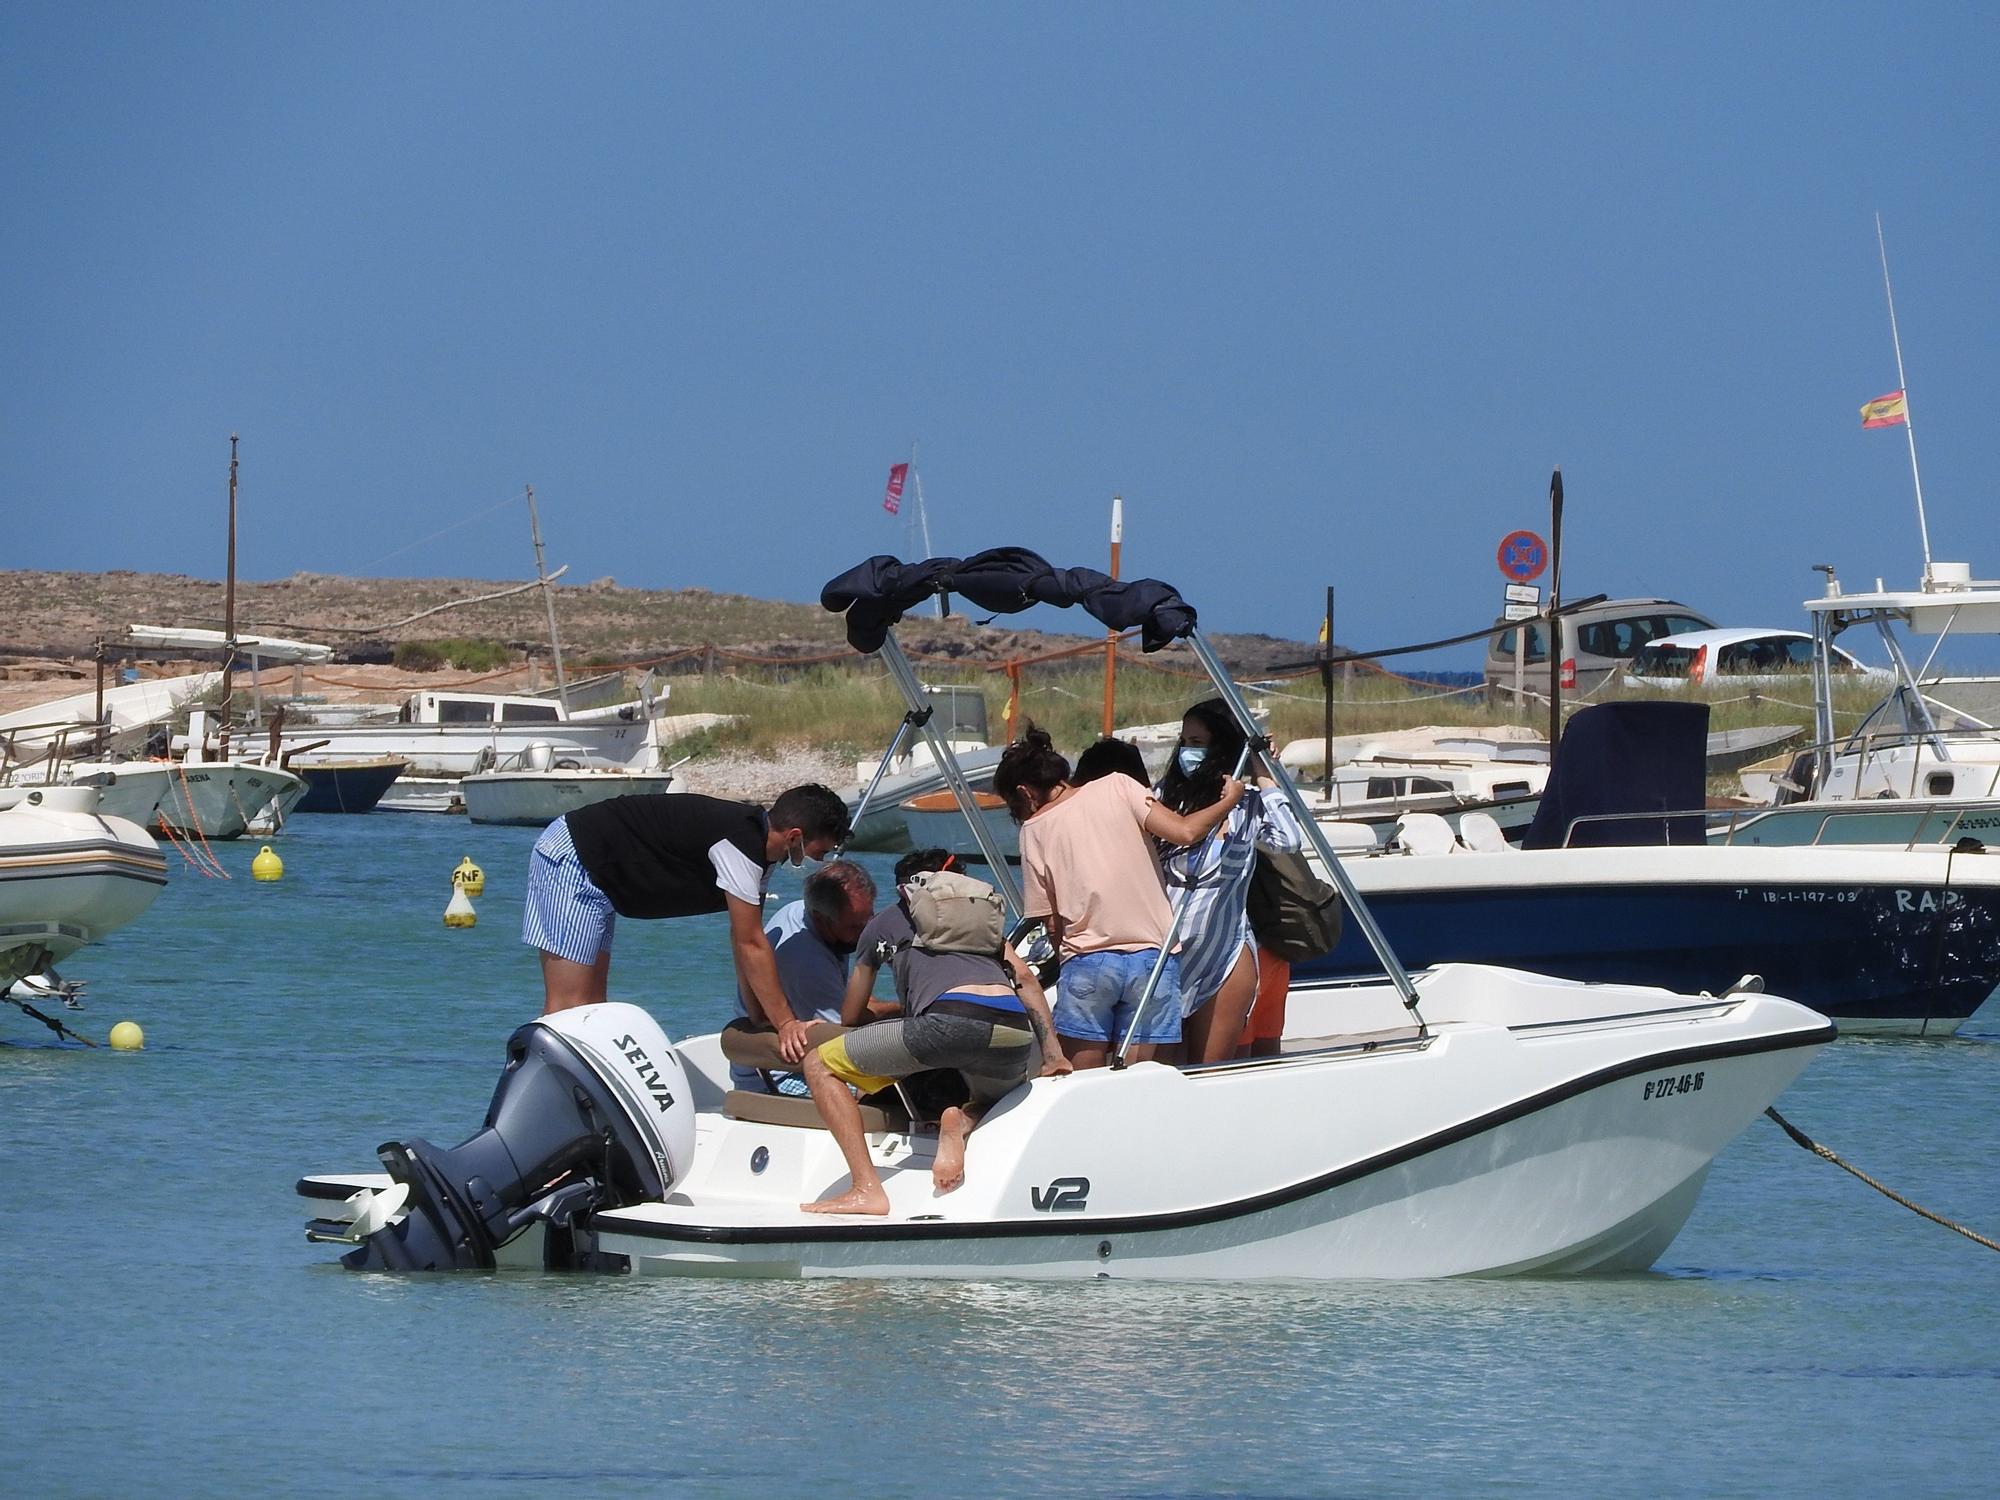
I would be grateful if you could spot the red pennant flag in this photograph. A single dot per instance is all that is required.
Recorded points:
(892, 498)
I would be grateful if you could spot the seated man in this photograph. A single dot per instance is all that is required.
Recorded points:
(967, 1011)
(811, 939)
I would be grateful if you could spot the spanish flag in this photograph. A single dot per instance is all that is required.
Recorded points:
(1891, 410)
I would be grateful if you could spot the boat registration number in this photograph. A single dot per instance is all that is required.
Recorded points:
(1672, 1085)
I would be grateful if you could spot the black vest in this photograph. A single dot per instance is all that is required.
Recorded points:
(649, 853)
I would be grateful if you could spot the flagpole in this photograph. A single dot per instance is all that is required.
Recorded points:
(1909, 426)
(1111, 640)
(923, 515)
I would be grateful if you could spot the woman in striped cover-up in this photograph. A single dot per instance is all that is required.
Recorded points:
(1209, 882)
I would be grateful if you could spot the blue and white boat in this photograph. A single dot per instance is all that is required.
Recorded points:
(1893, 936)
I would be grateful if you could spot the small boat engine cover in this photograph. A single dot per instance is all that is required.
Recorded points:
(629, 1051)
(592, 1111)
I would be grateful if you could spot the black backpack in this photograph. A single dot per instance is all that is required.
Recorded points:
(1293, 913)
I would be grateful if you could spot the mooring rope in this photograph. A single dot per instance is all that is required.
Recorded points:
(1916, 1208)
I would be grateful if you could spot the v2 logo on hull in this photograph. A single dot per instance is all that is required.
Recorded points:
(1064, 1195)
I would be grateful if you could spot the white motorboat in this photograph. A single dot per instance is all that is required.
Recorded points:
(910, 767)
(542, 788)
(453, 734)
(204, 799)
(1931, 737)
(133, 798)
(1464, 1121)
(69, 875)
(935, 821)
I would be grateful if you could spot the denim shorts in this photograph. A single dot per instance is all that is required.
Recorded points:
(1097, 993)
(565, 913)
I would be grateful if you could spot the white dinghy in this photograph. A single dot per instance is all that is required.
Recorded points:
(1465, 1121)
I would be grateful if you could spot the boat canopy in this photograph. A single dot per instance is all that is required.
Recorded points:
(1006, 580)
(1963, 611)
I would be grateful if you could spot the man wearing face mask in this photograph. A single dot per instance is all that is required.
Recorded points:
(670, 855)
(812, 939)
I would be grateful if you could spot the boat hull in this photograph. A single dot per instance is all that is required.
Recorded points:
(1881, 940)
(460, 749)
(538, 798)
(68, 877)
(353, 786)
(221, 800)
(1563, 1148)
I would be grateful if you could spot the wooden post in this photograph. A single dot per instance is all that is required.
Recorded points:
(1555, 603)
(1111, 640)
(97, 719)
(1326, 688)
(1013, 701)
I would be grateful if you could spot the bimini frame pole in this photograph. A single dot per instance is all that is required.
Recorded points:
(1173, 934)
(904, 676)
(1364, 918)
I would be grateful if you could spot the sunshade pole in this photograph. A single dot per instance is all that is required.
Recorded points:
(910, 721)
(1167, 943)
(904, 676)
(1225, 685)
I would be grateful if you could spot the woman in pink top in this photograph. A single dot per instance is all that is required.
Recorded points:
(1088, 867)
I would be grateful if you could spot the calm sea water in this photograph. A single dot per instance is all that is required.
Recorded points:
(167, 1331)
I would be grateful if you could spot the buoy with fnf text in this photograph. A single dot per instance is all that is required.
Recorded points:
(469, 878)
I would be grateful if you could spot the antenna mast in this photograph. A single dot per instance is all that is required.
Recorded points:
(1909, 425)
(548, 600)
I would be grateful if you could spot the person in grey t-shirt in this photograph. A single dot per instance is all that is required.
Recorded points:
(984, 1016)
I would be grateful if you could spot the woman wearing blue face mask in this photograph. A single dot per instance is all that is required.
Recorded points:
(1209, 882)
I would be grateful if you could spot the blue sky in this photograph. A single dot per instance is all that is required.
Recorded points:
(1324, 291)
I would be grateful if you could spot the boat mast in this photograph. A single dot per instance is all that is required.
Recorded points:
(1909, 426)
(548, 600)
(229, 609)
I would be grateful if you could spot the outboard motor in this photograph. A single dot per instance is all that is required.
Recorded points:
(592, 1111)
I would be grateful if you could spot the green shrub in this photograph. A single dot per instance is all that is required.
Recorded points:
(418, 656)
(465, 654)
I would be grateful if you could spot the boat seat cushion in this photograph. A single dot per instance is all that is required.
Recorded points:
(779, 1109)
(1425, 833)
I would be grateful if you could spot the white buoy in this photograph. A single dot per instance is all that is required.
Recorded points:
(459, 912)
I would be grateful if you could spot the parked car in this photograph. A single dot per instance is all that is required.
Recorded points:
(1740, 656)
(1597, 644)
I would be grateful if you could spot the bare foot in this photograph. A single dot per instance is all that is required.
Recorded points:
(868, 1200)
(948, 1166)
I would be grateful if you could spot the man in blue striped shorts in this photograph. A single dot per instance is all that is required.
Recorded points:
(670, 855)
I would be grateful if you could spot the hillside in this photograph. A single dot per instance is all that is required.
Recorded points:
(63, 613)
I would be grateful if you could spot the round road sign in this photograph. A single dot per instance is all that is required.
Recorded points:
(1522, 556)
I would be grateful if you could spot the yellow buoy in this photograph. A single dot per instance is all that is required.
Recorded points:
(267, 865)
(459, 912)
(469, 878)
(127, 1037)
